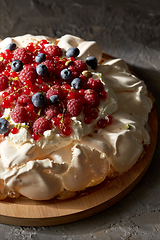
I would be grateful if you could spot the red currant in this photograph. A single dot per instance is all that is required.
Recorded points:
(14, 130)
(5, 103)
(66, 130)
(36, 136)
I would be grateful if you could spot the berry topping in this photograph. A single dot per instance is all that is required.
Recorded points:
(72, 52)
(4, 126)
(16, 65)
(41, 70)
(11, 46)
(91, 98)
(92, 62)
(22, 54)
(74, 106)
(19, 114)
(45, 90)
(40, 58)
(66, 74)
(41, 125)
(76, 83)
(39, 100)
(3, 82)
(28, 73)
(54, 99)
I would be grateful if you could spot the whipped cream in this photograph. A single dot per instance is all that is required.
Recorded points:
(43, 169)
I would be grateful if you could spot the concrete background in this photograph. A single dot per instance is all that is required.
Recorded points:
(125, 29)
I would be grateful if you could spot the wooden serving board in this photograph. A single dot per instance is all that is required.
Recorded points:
(26, 212)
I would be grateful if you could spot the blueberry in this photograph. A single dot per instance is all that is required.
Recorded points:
(92, 62)
(11, 46)
(72, 52)
(54, 99)
(39, 100)
(76, 83)
(66, 74)
(16, 65)
(40, 57)
(4, 126)
(42, 70)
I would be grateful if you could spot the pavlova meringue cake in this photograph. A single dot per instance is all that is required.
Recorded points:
(69, 117)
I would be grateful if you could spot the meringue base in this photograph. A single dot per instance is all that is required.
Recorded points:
(24, 212)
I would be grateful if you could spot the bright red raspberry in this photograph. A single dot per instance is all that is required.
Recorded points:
(74, 106)
(24, 100)
(2, 66)
(41, 125)
(28, 73)
(55, 90)
(91, 98)
(52, 111)
(49, 64)
(19, 114)
(3, 82)
(23, 55)
(95, 84)
(54, 66)
(53, 50)
(78, 66)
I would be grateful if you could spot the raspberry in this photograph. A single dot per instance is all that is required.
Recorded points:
(91, 98)
(95, 84)
(52, 111)
(28, 73)
(55, 90)
(78, 66)
(41, 125)
(21, 54)
(74, 106)
(2, 66)
(50, 65)
(3, 82)
(24, 100)
(19, 114)
(53, 50)
(54, 66)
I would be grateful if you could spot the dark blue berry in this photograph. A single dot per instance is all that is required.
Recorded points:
(92, 62)
(16, 65)
(72, 52)
(40, 57)
(77, 83)
(11, 46)
(66, 74)
(39, 100)
(4, 126)
(54, 99)
(42, 70)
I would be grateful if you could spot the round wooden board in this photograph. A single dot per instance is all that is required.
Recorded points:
(26, 212)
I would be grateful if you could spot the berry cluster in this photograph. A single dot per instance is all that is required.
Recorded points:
(45, 90)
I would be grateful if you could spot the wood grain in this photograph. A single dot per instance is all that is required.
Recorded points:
(25, 212)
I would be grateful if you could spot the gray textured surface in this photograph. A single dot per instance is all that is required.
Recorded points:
(126, 29)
